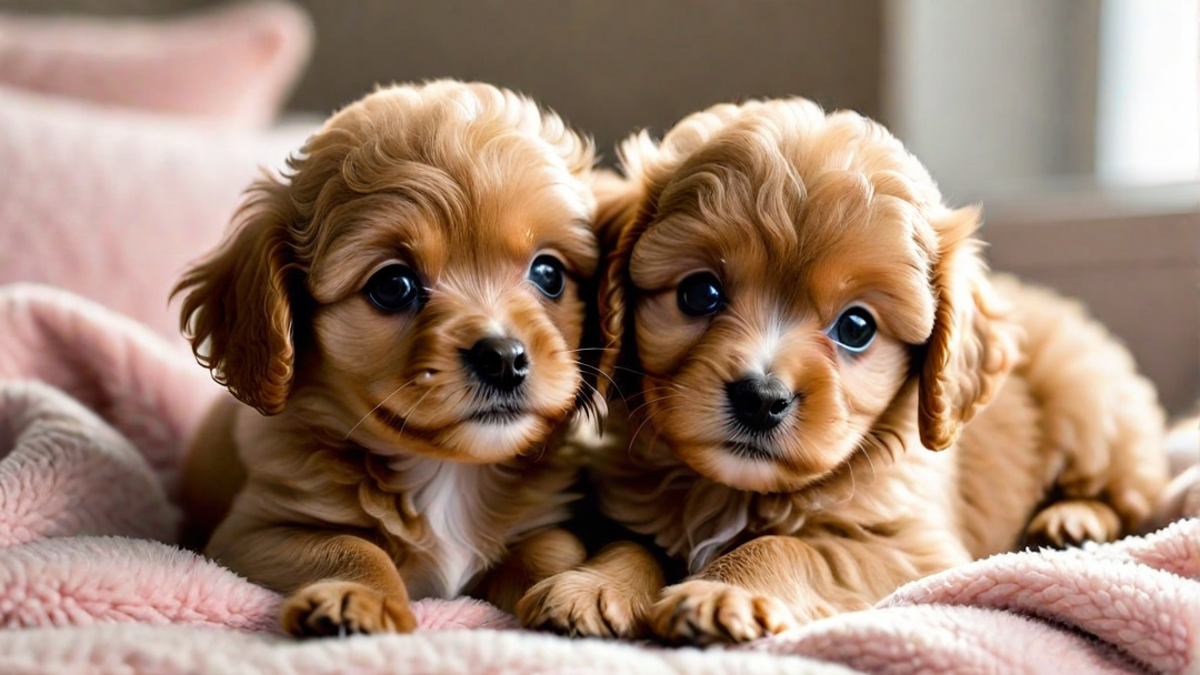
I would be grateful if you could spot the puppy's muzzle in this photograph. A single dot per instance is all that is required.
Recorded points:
(758, 404)
(500, 364)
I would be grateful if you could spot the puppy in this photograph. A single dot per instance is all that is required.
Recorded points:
(801, 323)
(401, 321)
(1181, 498)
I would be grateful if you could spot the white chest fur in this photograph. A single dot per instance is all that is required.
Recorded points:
(435, 510)
(464, 517)
(450, 503)
(443, 523)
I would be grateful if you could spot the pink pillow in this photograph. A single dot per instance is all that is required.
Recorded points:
(234, 64)
(113, 204)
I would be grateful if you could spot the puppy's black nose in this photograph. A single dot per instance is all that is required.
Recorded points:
(500, 363)
(759, 404)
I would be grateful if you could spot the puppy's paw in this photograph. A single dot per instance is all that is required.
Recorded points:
(708, 612)
(1072, 522)
(581, 602)
(329, 608)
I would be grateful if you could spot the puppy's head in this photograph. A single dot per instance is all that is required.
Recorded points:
(779, 278)
(415, 283)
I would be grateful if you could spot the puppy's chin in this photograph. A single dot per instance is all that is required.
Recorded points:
(749, 469)
(691, 422)
(493, 440)
(487, 440)
(737, 469)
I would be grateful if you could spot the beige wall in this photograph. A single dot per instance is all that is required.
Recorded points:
(1132, 255)
(994, 91)
(614, 65)
(609, 66)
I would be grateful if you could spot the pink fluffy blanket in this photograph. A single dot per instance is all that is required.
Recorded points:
(94, 410)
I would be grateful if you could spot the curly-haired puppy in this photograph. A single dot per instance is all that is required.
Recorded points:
(802, 322)
(401, 320)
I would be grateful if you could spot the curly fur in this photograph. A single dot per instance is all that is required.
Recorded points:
(365, 466)
(1047, 432)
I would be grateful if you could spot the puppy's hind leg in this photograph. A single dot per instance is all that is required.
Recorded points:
(1102, 427)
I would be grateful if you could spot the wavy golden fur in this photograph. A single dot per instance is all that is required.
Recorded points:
(1047, 432)
(371, 457)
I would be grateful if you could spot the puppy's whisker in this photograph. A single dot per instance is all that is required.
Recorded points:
(413, 409)
(469, 398)
(638, 432)
(593, 406)
(541, 450)
(631, 371)
(588, 401)
(588, 385)
(646, 421)
(668, 387)
(654, 438)
(647, 399)
(653, 401)
(633, 413)
(594, 369)
(377, 407)
(853, 484)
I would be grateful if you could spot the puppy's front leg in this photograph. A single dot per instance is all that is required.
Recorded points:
(774, 583)
(539, 557)
(337, 583)
(607, 596)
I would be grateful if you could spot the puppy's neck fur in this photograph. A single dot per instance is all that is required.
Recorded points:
(705, 519)
(443, 523)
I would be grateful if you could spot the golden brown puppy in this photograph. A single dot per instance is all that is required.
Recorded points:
(1181, 498)
(405, 313)
(802, 323)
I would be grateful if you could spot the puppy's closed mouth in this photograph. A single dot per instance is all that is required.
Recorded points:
(498, 414)
(749, 450)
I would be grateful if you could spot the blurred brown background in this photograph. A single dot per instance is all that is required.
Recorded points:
(1073, 121)
(607, 65)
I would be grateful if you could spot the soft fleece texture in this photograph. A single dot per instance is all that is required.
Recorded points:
(232, 65)
(114, 204)
(94, 411)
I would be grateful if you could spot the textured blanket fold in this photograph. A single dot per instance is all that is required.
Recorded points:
(95, 411)
(124, 373)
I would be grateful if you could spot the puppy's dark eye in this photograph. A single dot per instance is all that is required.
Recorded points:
(854, 329)
(395, 288)
(700, 294)
(547, 274)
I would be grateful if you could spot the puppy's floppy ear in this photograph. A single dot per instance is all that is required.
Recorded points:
(617, 199)
(618, 203)
(237, 312)
(625, 209)
(973, 346)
